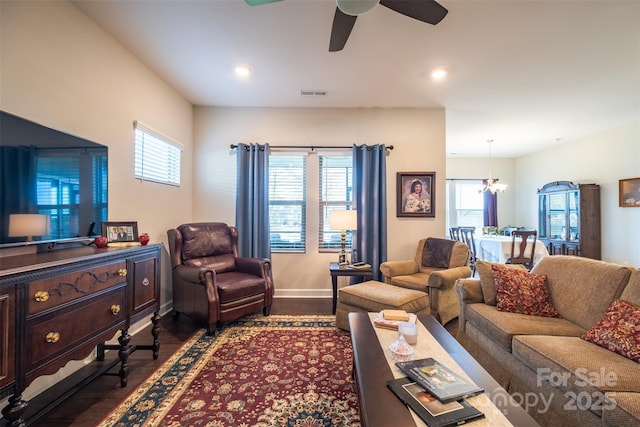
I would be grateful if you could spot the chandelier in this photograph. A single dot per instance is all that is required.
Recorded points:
(491, 184)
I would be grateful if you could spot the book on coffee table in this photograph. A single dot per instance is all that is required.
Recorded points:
(440, 381)
(431, 410)
(381, 322)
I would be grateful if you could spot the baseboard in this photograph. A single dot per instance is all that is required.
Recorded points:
(303, 293)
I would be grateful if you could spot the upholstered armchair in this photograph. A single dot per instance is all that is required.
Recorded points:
(211, 284)
(438, 263)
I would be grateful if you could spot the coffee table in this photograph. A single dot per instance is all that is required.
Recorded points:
(379, 407)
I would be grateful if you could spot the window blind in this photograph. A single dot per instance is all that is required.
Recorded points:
(287, 202)
(336, 186)
(157, 158)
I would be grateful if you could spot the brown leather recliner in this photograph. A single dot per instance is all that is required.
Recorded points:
(211, 284)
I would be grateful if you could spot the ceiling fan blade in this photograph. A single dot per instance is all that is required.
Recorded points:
(259, 2)
(423, 10)
(342, 26)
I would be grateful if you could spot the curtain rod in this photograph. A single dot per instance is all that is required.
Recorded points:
(308, 147)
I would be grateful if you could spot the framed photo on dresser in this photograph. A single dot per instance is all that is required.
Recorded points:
(122, 231)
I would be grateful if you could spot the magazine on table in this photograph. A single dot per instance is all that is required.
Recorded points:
(439, 380)
(359, 266)
(431, 410)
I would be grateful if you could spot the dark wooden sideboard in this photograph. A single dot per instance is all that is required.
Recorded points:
(59, 306)
(569, 219)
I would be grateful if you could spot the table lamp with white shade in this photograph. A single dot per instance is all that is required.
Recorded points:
(28, 225)
(343, 220)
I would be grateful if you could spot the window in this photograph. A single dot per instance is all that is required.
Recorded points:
(336, 187)
(287, 202)
(465, 204)
(157, 158)
(289, 176)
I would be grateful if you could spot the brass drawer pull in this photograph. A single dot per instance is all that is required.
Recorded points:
(122, 272)
(53, 337)
(115, 309)
(145, 282)
(41, 296)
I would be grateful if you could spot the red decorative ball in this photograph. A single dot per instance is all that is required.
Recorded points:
(143, 239)
(101, 242)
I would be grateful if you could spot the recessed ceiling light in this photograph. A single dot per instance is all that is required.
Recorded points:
(242, 71)
(439, 73)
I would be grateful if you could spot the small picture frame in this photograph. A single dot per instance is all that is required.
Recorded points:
(629, 192)
(416, 194)
(120, 232)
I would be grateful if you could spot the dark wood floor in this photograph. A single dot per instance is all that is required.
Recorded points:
(98, 398)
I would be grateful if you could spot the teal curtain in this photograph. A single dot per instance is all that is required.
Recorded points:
(370, 198)
(252, 200)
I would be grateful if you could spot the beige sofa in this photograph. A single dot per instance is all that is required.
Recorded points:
(437, 264)
(559, 378)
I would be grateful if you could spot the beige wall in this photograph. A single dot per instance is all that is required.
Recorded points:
(603, 159)
(500, 168)
(59, 69)
(416, 134)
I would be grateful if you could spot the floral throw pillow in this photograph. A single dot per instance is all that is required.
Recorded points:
(487, 281)
(523, 292)
(618, 330)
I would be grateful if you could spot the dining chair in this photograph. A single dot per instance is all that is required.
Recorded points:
(466, 236)
(454, 232)
(522, 258)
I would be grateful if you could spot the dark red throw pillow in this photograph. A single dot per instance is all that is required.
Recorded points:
(618, 330)
(523, 292)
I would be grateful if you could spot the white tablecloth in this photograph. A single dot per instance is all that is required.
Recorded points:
(498, 249)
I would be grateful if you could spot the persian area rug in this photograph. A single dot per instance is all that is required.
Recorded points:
(260, 371)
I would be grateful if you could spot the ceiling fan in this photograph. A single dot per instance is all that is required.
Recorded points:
(347, 11)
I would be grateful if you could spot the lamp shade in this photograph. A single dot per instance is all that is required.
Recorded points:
(28, 225)
(356, 7)
(343, 220)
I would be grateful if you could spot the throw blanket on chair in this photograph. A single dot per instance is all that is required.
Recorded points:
(437, 252)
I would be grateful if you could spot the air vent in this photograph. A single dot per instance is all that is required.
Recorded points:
(313, 93)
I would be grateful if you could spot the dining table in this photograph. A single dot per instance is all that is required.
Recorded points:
(498, 249)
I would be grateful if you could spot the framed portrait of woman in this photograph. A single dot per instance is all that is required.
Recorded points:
(416, 194)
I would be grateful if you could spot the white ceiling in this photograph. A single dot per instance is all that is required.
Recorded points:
(527, 74)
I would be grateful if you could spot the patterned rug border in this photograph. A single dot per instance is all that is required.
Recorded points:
(186, 362)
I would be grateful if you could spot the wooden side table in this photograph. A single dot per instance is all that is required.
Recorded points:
(336, 270)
